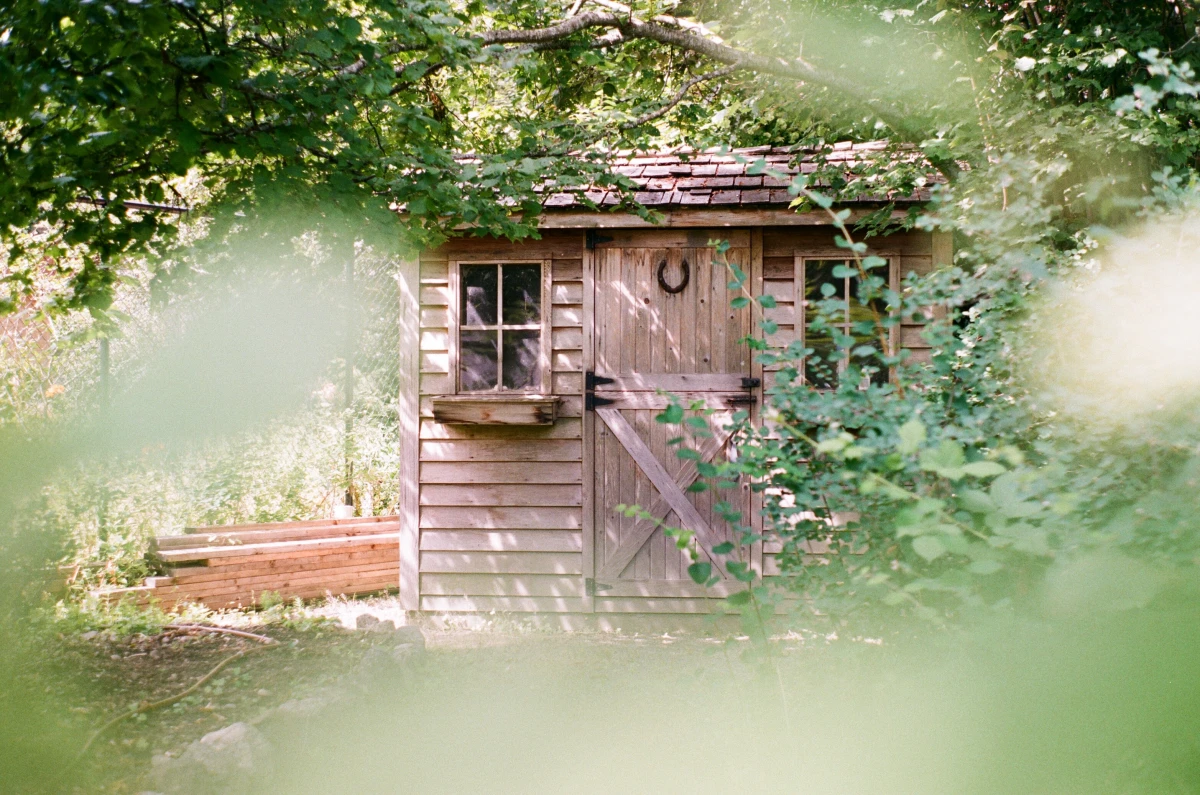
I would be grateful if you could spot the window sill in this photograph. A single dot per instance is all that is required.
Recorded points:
(496, 409)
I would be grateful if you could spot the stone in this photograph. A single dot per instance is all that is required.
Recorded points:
(405, 651)
(302, 709)
(382, 626)
(231, 759)
(365, 621)
(410, 635)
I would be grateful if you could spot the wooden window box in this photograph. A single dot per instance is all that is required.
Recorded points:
(496, 409)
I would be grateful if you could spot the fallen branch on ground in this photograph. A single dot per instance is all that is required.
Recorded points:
(222, 630)
(149, 706)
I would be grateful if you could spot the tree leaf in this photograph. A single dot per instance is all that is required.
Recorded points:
(928, 547)
(984, 567)
(700, 572)
(983, 469)
(671, 415)
(912, 436)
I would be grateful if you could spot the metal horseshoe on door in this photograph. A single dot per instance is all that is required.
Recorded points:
(662, 281)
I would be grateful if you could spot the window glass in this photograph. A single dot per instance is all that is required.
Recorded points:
(821, 366)
(522, 359)
(522, 294)
(500, 335)
(478, 360)
(479, 287)
(854, 321)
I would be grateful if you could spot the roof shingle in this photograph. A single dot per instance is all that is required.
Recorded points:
(718, 177)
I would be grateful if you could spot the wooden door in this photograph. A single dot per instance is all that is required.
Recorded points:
(663, 321)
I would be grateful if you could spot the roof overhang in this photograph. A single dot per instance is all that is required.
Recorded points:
(709, 217)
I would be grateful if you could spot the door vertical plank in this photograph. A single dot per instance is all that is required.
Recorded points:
(656, 432)
(611, 331)
(408, 405)
(672, 305)
(589, 419)
(738, 356)
(651, 433)
(704, 320)
(639, 353)
(687, 323)
(721, 294)
(756, 371)
(639, 286)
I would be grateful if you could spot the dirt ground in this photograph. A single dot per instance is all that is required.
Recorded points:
(96, 675)
(497, 705)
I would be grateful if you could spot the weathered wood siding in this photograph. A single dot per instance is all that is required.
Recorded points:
(500, 511)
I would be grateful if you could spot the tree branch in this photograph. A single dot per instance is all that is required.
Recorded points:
(675, 32)
(675, 100)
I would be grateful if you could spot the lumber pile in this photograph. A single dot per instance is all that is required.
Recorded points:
(235, 566)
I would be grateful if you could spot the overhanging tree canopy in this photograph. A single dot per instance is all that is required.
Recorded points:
(368, 103)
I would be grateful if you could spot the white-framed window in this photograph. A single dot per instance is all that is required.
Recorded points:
(833, 346)
(501, 326)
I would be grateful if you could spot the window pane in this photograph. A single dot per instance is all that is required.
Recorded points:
(819, 370)
(522, 354)
(479, 286)
(478, 357)
(818, 272)
(522, 294)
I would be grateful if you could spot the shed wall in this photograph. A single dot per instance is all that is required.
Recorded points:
(500, 509)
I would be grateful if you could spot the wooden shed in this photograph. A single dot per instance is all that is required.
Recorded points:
(531, 373)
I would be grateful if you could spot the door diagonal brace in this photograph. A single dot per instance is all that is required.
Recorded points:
(671, 496)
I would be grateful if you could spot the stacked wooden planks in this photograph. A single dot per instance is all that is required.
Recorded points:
(235, 566)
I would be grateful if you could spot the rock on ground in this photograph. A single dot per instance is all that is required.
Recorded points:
(231, 759)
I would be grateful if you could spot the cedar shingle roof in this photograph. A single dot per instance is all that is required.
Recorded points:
(719, 177)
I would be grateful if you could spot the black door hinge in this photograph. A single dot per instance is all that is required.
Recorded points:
(751, 383)
(591, 380)
(591, 239)
(591, 587)
(591, 402)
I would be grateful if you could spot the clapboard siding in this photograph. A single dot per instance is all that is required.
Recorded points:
(504, 494)
(474, 472)
(503, 503)
(518, 450)
(501, 518)
(501, 585)
(502, 562)
(506, 541)
(518, 604)
(781, 242)
(564, 428)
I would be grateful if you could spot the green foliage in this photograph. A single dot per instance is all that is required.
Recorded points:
(943, 484)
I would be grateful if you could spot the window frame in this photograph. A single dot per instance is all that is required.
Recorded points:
(801, 300)
(457, 327)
